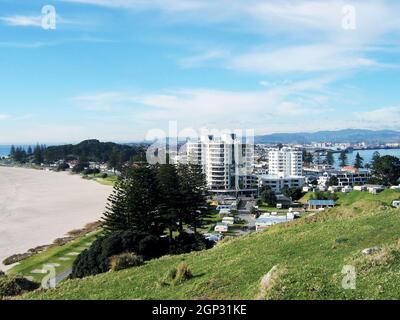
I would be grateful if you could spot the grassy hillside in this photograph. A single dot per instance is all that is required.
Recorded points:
(310, 254)
(61, 255)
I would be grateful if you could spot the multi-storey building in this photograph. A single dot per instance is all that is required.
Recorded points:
(226, 161)
(285, 162)
(277, 182)
(346, 178)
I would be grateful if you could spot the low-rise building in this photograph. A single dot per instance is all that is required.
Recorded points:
(345, 178)
(267, 221)
(320, 204)
(277, 182)
(374, 189)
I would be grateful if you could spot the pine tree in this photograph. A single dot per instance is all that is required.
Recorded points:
(12, 151)
(343, 159)
(115, 160)
(307, 157)
(330, 160)
(194, 191)
(358, 162)
(38, 155)
(170, 205)
(133, 205)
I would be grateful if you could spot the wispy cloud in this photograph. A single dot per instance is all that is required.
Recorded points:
(4, 116)
(199, 60)
(304, 58)
(197, 107)
(22, 21)
(386, 117)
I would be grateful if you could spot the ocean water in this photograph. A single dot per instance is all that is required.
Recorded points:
(367, 155)
(4, 150)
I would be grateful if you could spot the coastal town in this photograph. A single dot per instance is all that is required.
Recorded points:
(251, 187)
(217, 151)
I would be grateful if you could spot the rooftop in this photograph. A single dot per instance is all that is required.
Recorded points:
(321, 202)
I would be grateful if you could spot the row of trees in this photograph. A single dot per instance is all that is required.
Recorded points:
(153, 199)
(329, 159)
(116, 155)
(23, 155)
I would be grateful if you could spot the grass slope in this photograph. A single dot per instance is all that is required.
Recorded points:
(310, 254)
(53, 255)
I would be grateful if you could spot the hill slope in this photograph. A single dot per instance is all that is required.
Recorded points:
(310, 254)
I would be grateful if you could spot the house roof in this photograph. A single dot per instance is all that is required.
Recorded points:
(321, 202)
(273, 219)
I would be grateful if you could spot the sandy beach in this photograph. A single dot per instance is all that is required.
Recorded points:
(36, 207)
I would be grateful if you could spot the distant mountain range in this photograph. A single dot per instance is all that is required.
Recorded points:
(346, 135)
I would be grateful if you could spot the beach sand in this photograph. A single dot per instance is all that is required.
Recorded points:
(36, 207)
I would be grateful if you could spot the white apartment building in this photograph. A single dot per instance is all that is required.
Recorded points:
(226, 161)
(278, 182)
(285, 162)
(346, 178)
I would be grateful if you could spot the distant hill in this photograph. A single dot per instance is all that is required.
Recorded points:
(92, 150)
(346, 135)
(309, 253)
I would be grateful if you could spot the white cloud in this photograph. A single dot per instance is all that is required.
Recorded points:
(305, 58)
(165, 5)
(198, 60)
(22, 21)
(4, 116)
(386, 117)
(105, 101)
(198, 107)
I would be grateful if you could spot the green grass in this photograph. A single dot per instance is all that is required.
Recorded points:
(52, 255)
(310, 253)
(110, 180)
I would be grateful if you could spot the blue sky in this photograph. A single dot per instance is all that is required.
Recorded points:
(114, 70)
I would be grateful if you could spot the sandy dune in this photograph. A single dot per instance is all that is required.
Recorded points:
(37, 207)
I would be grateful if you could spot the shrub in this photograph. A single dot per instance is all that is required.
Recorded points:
(125, 260)
(2, 274)
(183, 273)
(153, 247)
(15, 285)
(104, 175)
(97, 258)
(186, 242)
(176, 275)
(63, 166)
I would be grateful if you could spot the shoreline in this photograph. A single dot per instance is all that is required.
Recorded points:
(39, 206)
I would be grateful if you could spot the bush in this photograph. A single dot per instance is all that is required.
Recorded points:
(176, 275)
(125, 260)
(63, 166)
(80, 167)
(15, 285)
(104, 175)
(97, 258)
(183, 273)
(187, 242)
(91, 171)
(153, 247)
